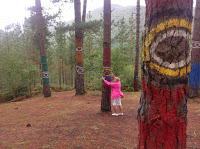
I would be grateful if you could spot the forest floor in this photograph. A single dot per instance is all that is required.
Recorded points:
(65, 121)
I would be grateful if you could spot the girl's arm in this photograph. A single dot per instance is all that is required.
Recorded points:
(107, 82)
(121, 94)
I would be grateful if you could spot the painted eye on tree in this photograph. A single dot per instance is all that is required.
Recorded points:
(166, 47)
(174, 56)
(45, 74)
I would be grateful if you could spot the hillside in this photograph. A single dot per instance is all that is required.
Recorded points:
(118, 12)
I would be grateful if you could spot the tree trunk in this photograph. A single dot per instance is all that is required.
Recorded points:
(106, 91)
(63, 72)
(84, 10)
(162, 115)
(59, 73)
(137, 48)
(41, 37)
(194, 81)
(79, 75)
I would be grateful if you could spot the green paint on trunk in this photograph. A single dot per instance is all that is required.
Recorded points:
(45, 75)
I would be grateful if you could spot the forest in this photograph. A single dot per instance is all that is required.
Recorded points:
(63, 82)
(20, 60)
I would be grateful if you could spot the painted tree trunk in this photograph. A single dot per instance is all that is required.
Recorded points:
(162, 115)
(41, 38)
(106, 91)
(194, 79)
(137, 48)
(79, 75)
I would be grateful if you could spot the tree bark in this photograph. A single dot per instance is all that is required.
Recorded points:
(41, 38)
(79, 74)
(194, 78)
(137, 48)
(106, 91)
(59, 73)
(84, 10)
(162, 115)
(63, 71)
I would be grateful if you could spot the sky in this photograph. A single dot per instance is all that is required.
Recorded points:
(14, 11)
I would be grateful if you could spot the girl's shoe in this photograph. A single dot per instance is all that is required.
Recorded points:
(115, 114)
(121, 114)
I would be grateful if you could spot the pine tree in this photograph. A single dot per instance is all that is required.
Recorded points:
(194, 80)
(162, 115)
(84, 10)
(137, 48)
(79, 74)
(105, 102)
(40, 41)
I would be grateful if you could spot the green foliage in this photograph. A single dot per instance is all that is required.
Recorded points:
(20, 61)
(17, 70)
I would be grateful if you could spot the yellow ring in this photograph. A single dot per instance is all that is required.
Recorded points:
(169, 72)
(161, 27)
(150, 38)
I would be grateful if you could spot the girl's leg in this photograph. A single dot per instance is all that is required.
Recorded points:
(115, 109)
(120, 109)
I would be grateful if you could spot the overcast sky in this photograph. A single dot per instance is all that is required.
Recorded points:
(14, 11)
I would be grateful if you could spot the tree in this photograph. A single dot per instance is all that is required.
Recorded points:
(105, 101)
(194, 79)
(162, 114)
(17, 70)
(79, 75)
(61, 46)
(137, 47)
(40, 43)
(84, 10)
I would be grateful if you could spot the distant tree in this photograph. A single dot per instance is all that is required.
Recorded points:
(84, 10)
(137, 48)
(60, 39)
(105, 102)
(162, 115)
(194, 81)
(40, 43)
(132, 26)
(79, 74)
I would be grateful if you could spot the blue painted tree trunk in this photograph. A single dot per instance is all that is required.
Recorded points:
(194, 78)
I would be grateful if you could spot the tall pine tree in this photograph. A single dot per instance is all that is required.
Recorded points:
(194, 81)
(106, 92)
(79, 74)
(137, 48)
(40, 44)
(162, 115)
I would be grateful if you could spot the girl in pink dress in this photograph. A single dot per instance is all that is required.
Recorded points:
(116, 95)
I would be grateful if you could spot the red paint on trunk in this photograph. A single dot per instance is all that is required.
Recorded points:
(107, 57)
(163, 126)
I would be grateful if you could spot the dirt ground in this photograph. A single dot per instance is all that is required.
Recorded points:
(68, 122)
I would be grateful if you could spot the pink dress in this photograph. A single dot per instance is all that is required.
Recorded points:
(115, 89)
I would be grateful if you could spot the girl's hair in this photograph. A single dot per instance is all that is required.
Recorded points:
(117, 78)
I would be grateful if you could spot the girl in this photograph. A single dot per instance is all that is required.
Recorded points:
(116, 95)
